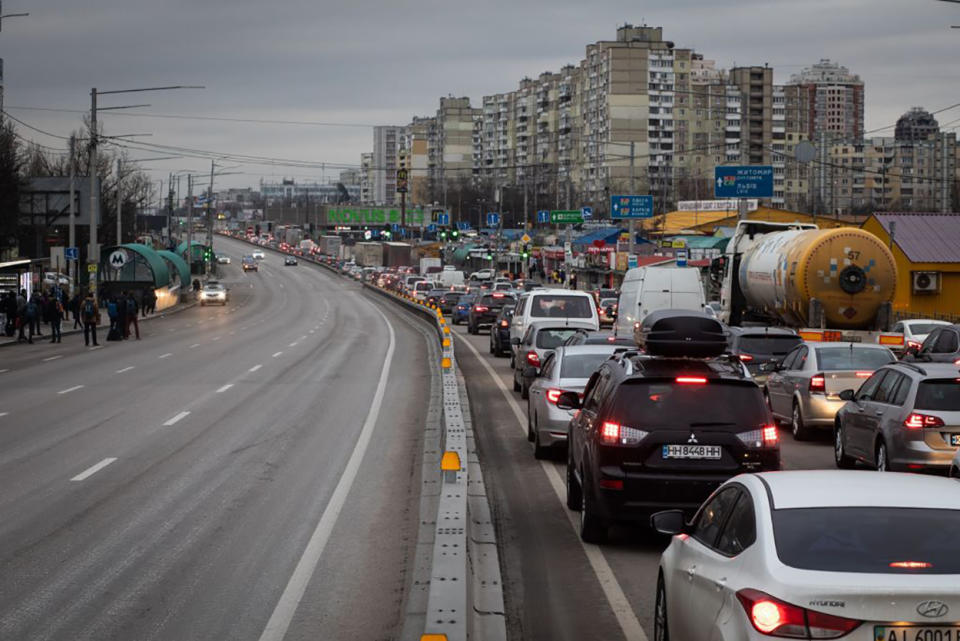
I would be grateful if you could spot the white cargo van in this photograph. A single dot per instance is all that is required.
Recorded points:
(647, 289)
(451, 277)
(554, 305)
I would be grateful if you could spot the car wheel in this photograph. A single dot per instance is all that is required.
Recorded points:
(843, 461)
(800, 431)
(880, 458)
(539, 451)
(573, 488)
(593, 529)
(661, 631)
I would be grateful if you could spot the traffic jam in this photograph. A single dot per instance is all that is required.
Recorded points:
(669, 413)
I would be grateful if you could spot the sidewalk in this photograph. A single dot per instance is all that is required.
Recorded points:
(102, 329)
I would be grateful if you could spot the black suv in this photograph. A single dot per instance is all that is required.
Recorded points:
(662, 430)
(484, 312)
(759, 346)
(500, 331)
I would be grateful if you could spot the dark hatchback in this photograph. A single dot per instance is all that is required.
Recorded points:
(500, 331)
(461, 311)
(449, 300)
(659, 433)
(485, 310)
(758, 346)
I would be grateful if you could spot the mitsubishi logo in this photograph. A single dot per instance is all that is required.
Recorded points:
(932, 609)
(693, 438)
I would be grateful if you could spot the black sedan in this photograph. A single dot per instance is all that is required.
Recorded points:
(484, 312)
(500, 331)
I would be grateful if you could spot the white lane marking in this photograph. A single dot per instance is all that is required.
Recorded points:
(287, 606)
(233, 333)
(3, 370)
(195, 345)
(224, 388)
(243, 329)
(125, 369)
(2, 414)
(176, 419)
(168, 354)
(281, 286)
(52, 358)
(277, 354)
(70, 389)
(216, 338)
(312, 331)
(618, 601)
(293, 344)
(172, 329)
(95, 347)
(255, 368)
(93, 469)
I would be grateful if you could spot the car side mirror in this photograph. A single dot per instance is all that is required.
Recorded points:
(515, 340)
(669, 522)
(568, 401)
(847, 395)
(530, 372)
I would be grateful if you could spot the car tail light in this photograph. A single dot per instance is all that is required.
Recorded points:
(917, 421)
(746, 358)
(611, 484)
(504, 323)
(553, 395)
(610, 433)
(691, 380)
(864, 374)
(481, 308)
(770, 434)
(498, 295)
(913, 344)
(911, 565)
(533, 359)
(818, 384)
(957, 362)
(766, 436)
(773, 617)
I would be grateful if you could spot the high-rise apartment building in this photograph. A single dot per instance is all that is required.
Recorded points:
(450, 141)
(386, 139)
(366, 178)
(831, 99)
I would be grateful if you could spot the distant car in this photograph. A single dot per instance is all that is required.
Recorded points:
(607, 311)
(461, 312)
(214, 294)
(813, 555)
(904, 417)
(258, 254)
(500, 330)
(250, 264)
(485, 310)
(566, 370)
(942, 345)
(532, 349)
(448, 301)
(916, 330)
(803, 389)
(289, 260)
(758, 346)
(223, 259)
(435, 294)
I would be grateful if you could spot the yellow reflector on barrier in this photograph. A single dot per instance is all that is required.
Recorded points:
(446, 342)
(446, 362)
(433, 637)
(446, 330)
(450, 462)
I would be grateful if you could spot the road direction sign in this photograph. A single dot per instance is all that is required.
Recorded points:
(566, 216)
(431, 227)
(743, 181)
(71, 253)
(118, 258)
(586, 212)
(543, 216)
(493, 219)
(463, 225)
(395, 227)
(525, 238)
(443, 219)
(681, 258)
(631, 206)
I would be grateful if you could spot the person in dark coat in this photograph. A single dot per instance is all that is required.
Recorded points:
(90, 314)
(121, 301)
(54, 316)
(132, 309)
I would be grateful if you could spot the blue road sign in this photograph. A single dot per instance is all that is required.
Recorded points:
(631, 261)
(543, 216)
(743, 182)
(431, 227)
(631, 206)
(394, 226)
(443, 219)
(586, 212)
(71, 253)
(681, 258)
(493, 219)
(463, 225)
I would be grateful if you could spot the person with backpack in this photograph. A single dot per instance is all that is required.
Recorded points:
(54, 313)
(91, 318)
(132, 311)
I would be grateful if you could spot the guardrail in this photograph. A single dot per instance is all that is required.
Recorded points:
(465, 598)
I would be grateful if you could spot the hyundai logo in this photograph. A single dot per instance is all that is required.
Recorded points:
(693, 438)
(932, 609)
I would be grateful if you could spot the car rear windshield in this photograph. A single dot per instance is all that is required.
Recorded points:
(721, 405)
(552, 338)
(939, 394)
(840, 358)
(768, 344)
(581, 365)
(872, 540)
(495, 301)
(923, 328)
(561, 306)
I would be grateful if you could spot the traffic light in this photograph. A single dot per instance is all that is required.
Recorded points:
(489, 256)
(525, 254)
(454, 234)
(443, 234)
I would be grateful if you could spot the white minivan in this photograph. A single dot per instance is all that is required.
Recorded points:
(647, 289)
(554, 304)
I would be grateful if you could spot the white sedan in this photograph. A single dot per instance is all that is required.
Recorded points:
(258, 254)
(915, 330)
(814, 555)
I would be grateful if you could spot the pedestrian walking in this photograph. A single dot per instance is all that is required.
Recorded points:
(31, 315)
(90, 313)
(150, 303)
(21, 315)
(54, 316)
(132, 311)
(114, 315)
(122, 315)
(74, 307)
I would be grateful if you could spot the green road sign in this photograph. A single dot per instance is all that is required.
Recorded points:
(566, 216)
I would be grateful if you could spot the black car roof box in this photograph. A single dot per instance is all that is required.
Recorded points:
(680, 333)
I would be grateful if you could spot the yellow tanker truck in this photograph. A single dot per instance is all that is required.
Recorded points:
(828, 284)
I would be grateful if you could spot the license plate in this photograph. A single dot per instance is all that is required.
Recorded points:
(918, 633)
(710, 452)
(955, 439)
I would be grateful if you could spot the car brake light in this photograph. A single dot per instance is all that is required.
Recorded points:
(911, 565)
(746, 358)
(553, 395)
(610, 433)
(504, 323)
(481, 308)
(957, 362)
(766, 436)
(917, 421)
(533, 359)
(691, 380)
(770, 434)
(498, 295)
(913, 344)
(773, 617)
(864, 374)
(818, 384)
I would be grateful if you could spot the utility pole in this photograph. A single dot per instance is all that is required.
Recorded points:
(72, 264)
(93, 253)
(119, 204)
(170, 211)
(632, 188)
(190, 222)
(210, 208)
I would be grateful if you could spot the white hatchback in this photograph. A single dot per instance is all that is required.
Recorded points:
(814, 555)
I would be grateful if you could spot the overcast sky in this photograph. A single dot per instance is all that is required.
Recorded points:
(366, 63)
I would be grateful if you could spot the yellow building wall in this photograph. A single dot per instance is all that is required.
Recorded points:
(944, 303)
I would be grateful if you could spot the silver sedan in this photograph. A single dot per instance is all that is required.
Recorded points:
(566, 370)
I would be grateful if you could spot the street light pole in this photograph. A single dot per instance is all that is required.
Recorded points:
(119, 204)
(93, 251)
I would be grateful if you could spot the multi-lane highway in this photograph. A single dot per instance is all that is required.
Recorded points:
(242, 472)
(555, 586)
